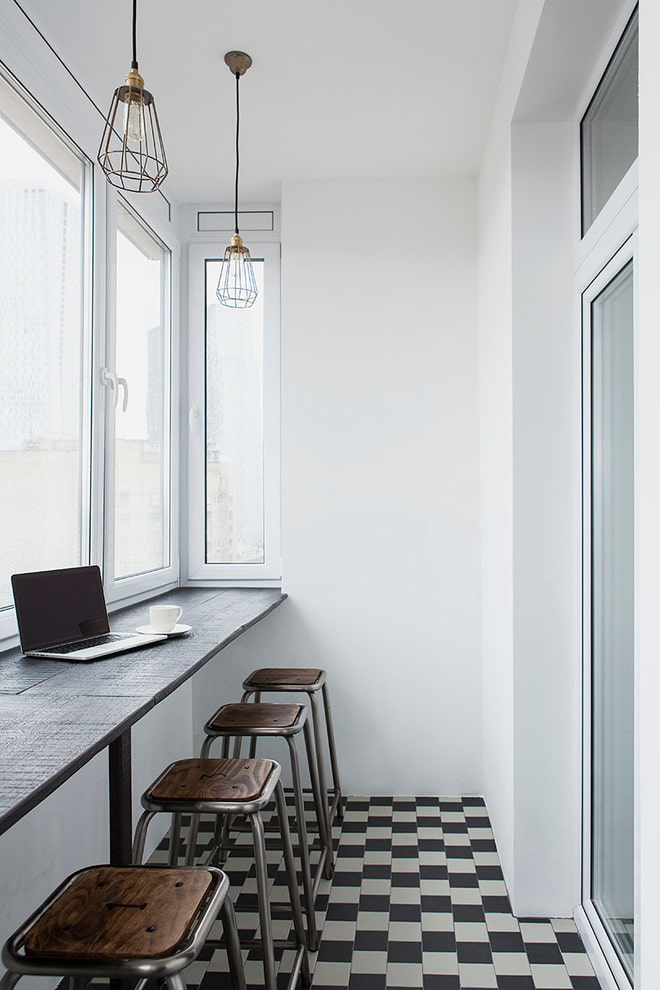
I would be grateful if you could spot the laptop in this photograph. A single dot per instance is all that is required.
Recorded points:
(62, 615)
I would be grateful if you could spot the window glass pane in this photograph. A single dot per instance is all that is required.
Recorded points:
(612, 584)
(609, 129)
(142, 433)
(42, 458)
(234, 426)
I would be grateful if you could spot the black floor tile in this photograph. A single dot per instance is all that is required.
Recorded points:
(438, 942)
(366, 981)
(547, 953)
(473, 952)
(404, 952)
(369, 941)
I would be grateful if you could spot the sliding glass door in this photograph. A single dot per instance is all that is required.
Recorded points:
(609, 572)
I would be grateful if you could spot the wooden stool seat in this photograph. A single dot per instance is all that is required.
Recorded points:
(285, 679)
(125, 923)
(230, 718)
(223, 780)
(114, 912)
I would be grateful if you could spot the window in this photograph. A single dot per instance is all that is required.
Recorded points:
(44, 344)
(609, 411)
(606, 282)
(140, 393)
(234, 526)
(609, 128)
(234, 417)
(85, 471)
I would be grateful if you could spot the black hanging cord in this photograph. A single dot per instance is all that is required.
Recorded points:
(238, 120)
(134, 64)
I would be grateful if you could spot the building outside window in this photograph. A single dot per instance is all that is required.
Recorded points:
(44, 332)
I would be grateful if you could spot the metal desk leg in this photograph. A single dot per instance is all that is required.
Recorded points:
(121, 818)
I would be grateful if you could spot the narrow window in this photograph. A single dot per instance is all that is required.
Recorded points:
(142, 410)
(234, 497)
(610, 126)
(234, 427)
(44, 326)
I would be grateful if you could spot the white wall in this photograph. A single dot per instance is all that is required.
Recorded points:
(546, 521)
(496, 443)
(380, 473)
(380, 481)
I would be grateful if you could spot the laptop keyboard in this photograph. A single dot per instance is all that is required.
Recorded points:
(84, 644)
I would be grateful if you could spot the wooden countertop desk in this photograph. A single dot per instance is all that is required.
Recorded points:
(55, 716)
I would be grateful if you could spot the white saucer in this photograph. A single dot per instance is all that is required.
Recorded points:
(179, 630)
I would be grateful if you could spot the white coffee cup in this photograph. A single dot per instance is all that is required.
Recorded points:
(163, 618)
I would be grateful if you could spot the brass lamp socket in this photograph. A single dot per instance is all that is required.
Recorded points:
(134, 79)
(236, 242)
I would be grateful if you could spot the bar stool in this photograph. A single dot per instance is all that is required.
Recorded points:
(125, 922)
(243, 720)
(233, 787)
(309, 680)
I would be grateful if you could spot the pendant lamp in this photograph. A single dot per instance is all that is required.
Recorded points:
(237, 286)
(131, 152)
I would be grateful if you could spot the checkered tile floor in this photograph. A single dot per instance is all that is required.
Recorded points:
(417, 900)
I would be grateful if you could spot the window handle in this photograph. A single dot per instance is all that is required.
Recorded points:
(109, 379)
(123, 384)
(194, 420)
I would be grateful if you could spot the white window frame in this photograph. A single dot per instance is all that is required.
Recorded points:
(606, 247)
(137, 586)
(268, 573)
(589, 921)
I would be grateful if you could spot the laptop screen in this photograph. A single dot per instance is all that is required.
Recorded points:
(54, 607)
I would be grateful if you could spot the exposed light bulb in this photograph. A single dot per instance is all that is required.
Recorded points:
(235, 265)
(134, 120)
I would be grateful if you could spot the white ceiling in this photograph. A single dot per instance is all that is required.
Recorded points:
(349, 89)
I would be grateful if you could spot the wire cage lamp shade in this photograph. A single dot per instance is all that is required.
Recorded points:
(237, 285)
(131, 152)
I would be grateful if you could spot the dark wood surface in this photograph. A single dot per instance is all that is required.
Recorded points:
(270, 677)
(120, 913)
(232, 718)
(213, 780)
(55, 715)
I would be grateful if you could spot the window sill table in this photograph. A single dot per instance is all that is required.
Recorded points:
(55, 716)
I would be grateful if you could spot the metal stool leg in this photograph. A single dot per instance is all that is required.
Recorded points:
(324, 835)
(174, 982)
(333, 754)
(233, 945)
(253, 741)
(303, 844)
(193, 832)
(262, 900)
(140, 836)
(175, 840)
(318, 741)
(302, 960)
